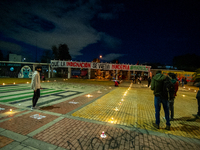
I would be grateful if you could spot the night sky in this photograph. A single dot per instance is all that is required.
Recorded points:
(129, 30)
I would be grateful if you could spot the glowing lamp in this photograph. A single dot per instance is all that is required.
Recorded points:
(54, 80)
(183, 95)
(14, 83)
(189, 89)
(10, 110)
(112, 121)
(89, 95)
(122, 100)
(195, 91)
(116, 109)
(27, 82)
(4, 84)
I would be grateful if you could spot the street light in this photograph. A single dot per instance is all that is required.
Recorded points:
(100, 56)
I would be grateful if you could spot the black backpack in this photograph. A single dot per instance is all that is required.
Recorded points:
(168, 89)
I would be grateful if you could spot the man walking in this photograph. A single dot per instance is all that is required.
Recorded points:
(157, 87)
(35, 85)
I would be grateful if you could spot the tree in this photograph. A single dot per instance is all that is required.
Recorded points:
(115, 61)
(62, 52)
(1, 56)
(188, 62)
(196, 76)
(46, 56)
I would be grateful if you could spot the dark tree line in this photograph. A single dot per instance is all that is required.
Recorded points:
(188, 62)
(61, 52)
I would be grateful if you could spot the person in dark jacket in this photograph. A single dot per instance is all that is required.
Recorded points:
(171, 101)
(157, 87)
(198, 102)
(149, 81)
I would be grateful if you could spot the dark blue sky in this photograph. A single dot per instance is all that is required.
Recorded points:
(128, 30)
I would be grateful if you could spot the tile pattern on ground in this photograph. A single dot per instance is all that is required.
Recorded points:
(137, 109)
(74, 103)
(74, 134)
(25, 124)
(4, 141)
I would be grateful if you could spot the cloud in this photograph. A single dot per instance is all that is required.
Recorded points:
(10, 47)
(106, 16)
(111, 56)
(110, 41)
(48, 23)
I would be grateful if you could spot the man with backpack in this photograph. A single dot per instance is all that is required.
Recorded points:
(173, 91)
(157, 86)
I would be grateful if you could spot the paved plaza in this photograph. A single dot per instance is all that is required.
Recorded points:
(75, 115)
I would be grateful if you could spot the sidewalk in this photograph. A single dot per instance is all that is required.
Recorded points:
(124, 113)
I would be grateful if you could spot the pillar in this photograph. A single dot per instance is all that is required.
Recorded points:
(89, 73)
(116, 74)
(69, 72)
(129, 74)
(49, 71)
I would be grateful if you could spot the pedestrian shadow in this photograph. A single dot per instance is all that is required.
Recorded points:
(48, 107)
(187, 119)
(186, 128)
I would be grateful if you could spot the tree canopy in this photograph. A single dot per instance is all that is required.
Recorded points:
(188, 62)
(1, 56)
(61, 52)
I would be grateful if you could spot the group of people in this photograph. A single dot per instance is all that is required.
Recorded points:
(157, 85)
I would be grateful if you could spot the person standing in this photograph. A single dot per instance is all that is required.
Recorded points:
(198, 102)
(35, 85)
(171, 101)
(157, 87)
(149, 81)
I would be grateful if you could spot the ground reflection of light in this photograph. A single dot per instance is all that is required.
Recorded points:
(183, 95)
(47, 80)
(54, 80)
(195, 91)
(189, 89)
(122, 100)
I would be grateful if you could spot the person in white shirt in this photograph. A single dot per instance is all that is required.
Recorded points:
(35, 85)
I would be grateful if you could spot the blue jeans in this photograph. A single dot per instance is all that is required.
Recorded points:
(165, 103)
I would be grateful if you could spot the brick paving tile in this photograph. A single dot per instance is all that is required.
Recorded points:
(89, 136)
(7, 109)
(66, 107)
(4, 141)
(25, 124)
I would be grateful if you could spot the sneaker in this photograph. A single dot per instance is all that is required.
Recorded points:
(32, 108)
(156, 125)
(167, 127)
